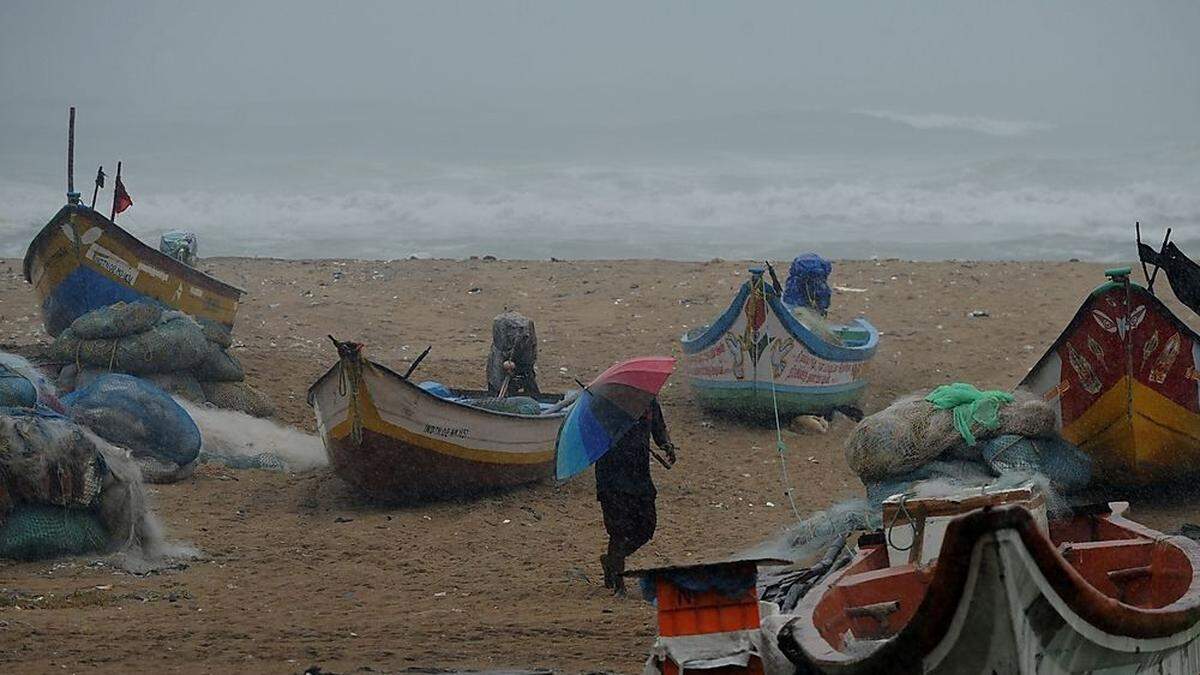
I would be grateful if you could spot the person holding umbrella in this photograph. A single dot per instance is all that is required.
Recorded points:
(611, 424)
(627, 494)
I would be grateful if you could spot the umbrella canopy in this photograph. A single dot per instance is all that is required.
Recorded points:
(606, 409)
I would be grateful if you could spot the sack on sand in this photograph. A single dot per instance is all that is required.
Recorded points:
(912, 432)
(219, 366)
(138, 416)
(238, 396)
(216, 333)
(47, 459)
(39, 531)
(183, 385)
(117, 320)
(61, 480)
(174, 343)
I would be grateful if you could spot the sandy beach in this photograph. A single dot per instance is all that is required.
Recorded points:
(297, 571)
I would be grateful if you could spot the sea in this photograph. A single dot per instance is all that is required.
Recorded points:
(367, 181)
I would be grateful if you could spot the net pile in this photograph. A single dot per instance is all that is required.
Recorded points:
(171, 349)
(514, 339)
(138, 416)
(64, 490)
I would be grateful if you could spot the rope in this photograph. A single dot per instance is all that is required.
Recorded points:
(782, 449)
(890, 526)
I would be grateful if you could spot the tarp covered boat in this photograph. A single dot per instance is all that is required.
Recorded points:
(81, 261)
(758, 354)
(998, 590)
(1123, 379)
(397, 441)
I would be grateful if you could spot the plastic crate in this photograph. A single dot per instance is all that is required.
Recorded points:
(684, 613)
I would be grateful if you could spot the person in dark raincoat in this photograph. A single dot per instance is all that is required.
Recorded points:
(627, 494)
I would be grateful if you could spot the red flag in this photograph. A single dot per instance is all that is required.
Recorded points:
(121, 198)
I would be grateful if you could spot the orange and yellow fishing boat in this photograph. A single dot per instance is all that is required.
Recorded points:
(1123, 378)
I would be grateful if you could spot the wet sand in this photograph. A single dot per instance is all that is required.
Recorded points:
(298, 571)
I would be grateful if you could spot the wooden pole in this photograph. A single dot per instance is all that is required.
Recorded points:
(96, 189)
(117, 181)
(71, 196)
(1137, 229)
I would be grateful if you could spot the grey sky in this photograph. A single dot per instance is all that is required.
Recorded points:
(1115, 64)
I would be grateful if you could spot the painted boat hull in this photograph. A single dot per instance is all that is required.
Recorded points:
(757, 356)
(82, 261)
(1003, 599)
(1123, 380)
(414, 446)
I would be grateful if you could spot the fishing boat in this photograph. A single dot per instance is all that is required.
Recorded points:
(1123, 378)
(989, 585)
(759, 357)
(398, 441)
(82, 261)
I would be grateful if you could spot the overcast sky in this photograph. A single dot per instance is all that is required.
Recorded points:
(1060, 63)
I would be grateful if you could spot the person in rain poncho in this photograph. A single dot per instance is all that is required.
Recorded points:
(627, 494)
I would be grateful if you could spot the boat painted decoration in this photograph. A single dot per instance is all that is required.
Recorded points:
(759, 355)
(1008, 594)
(82, 261)
(1123, 381)
(396, 441)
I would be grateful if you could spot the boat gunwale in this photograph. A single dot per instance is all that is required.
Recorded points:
(710, 334)
(558, 415)
(933, 619)
(146, 253)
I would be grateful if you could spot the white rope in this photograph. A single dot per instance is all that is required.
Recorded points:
(781, 447)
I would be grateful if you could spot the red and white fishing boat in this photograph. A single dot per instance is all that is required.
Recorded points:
(983, 583)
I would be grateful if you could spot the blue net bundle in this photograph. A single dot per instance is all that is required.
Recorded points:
(136, 415)
(808, 283)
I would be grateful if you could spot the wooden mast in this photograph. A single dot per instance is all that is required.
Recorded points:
(72, 195)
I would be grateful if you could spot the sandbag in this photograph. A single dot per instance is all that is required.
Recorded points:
(138, 416)
(219, 366)
(216, 333)
(912, 432)
(238, 396)
(183, 385)
(47, 459)
(117, 320)
(176, 342)
(37, 531)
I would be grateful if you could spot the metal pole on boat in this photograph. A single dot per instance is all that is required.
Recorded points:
(117, 181)
(1161, 250)
(99, 184)
(72, 195)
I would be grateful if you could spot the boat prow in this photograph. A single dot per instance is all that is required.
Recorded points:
(81, 261)
(1123, 380)
(758, 356)
(396, 441)
(1092, 593)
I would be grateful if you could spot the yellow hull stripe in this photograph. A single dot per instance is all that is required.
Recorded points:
(373, 421)
(1137, 432)
(60, 257)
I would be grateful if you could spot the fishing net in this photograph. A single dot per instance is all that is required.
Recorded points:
(68, 491)
(182, 355)
(518, 405)
(238, 396)
(36, 531)
(117, 320)
(808, 283)
(180, 245)
(138, 416)
(514, 338)
(912, 431)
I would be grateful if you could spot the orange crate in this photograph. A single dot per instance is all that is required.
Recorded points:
(754, 667)
(683, 613)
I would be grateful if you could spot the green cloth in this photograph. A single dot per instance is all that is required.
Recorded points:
(968, 405)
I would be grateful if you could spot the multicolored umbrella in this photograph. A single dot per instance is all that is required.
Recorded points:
(606, 409)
